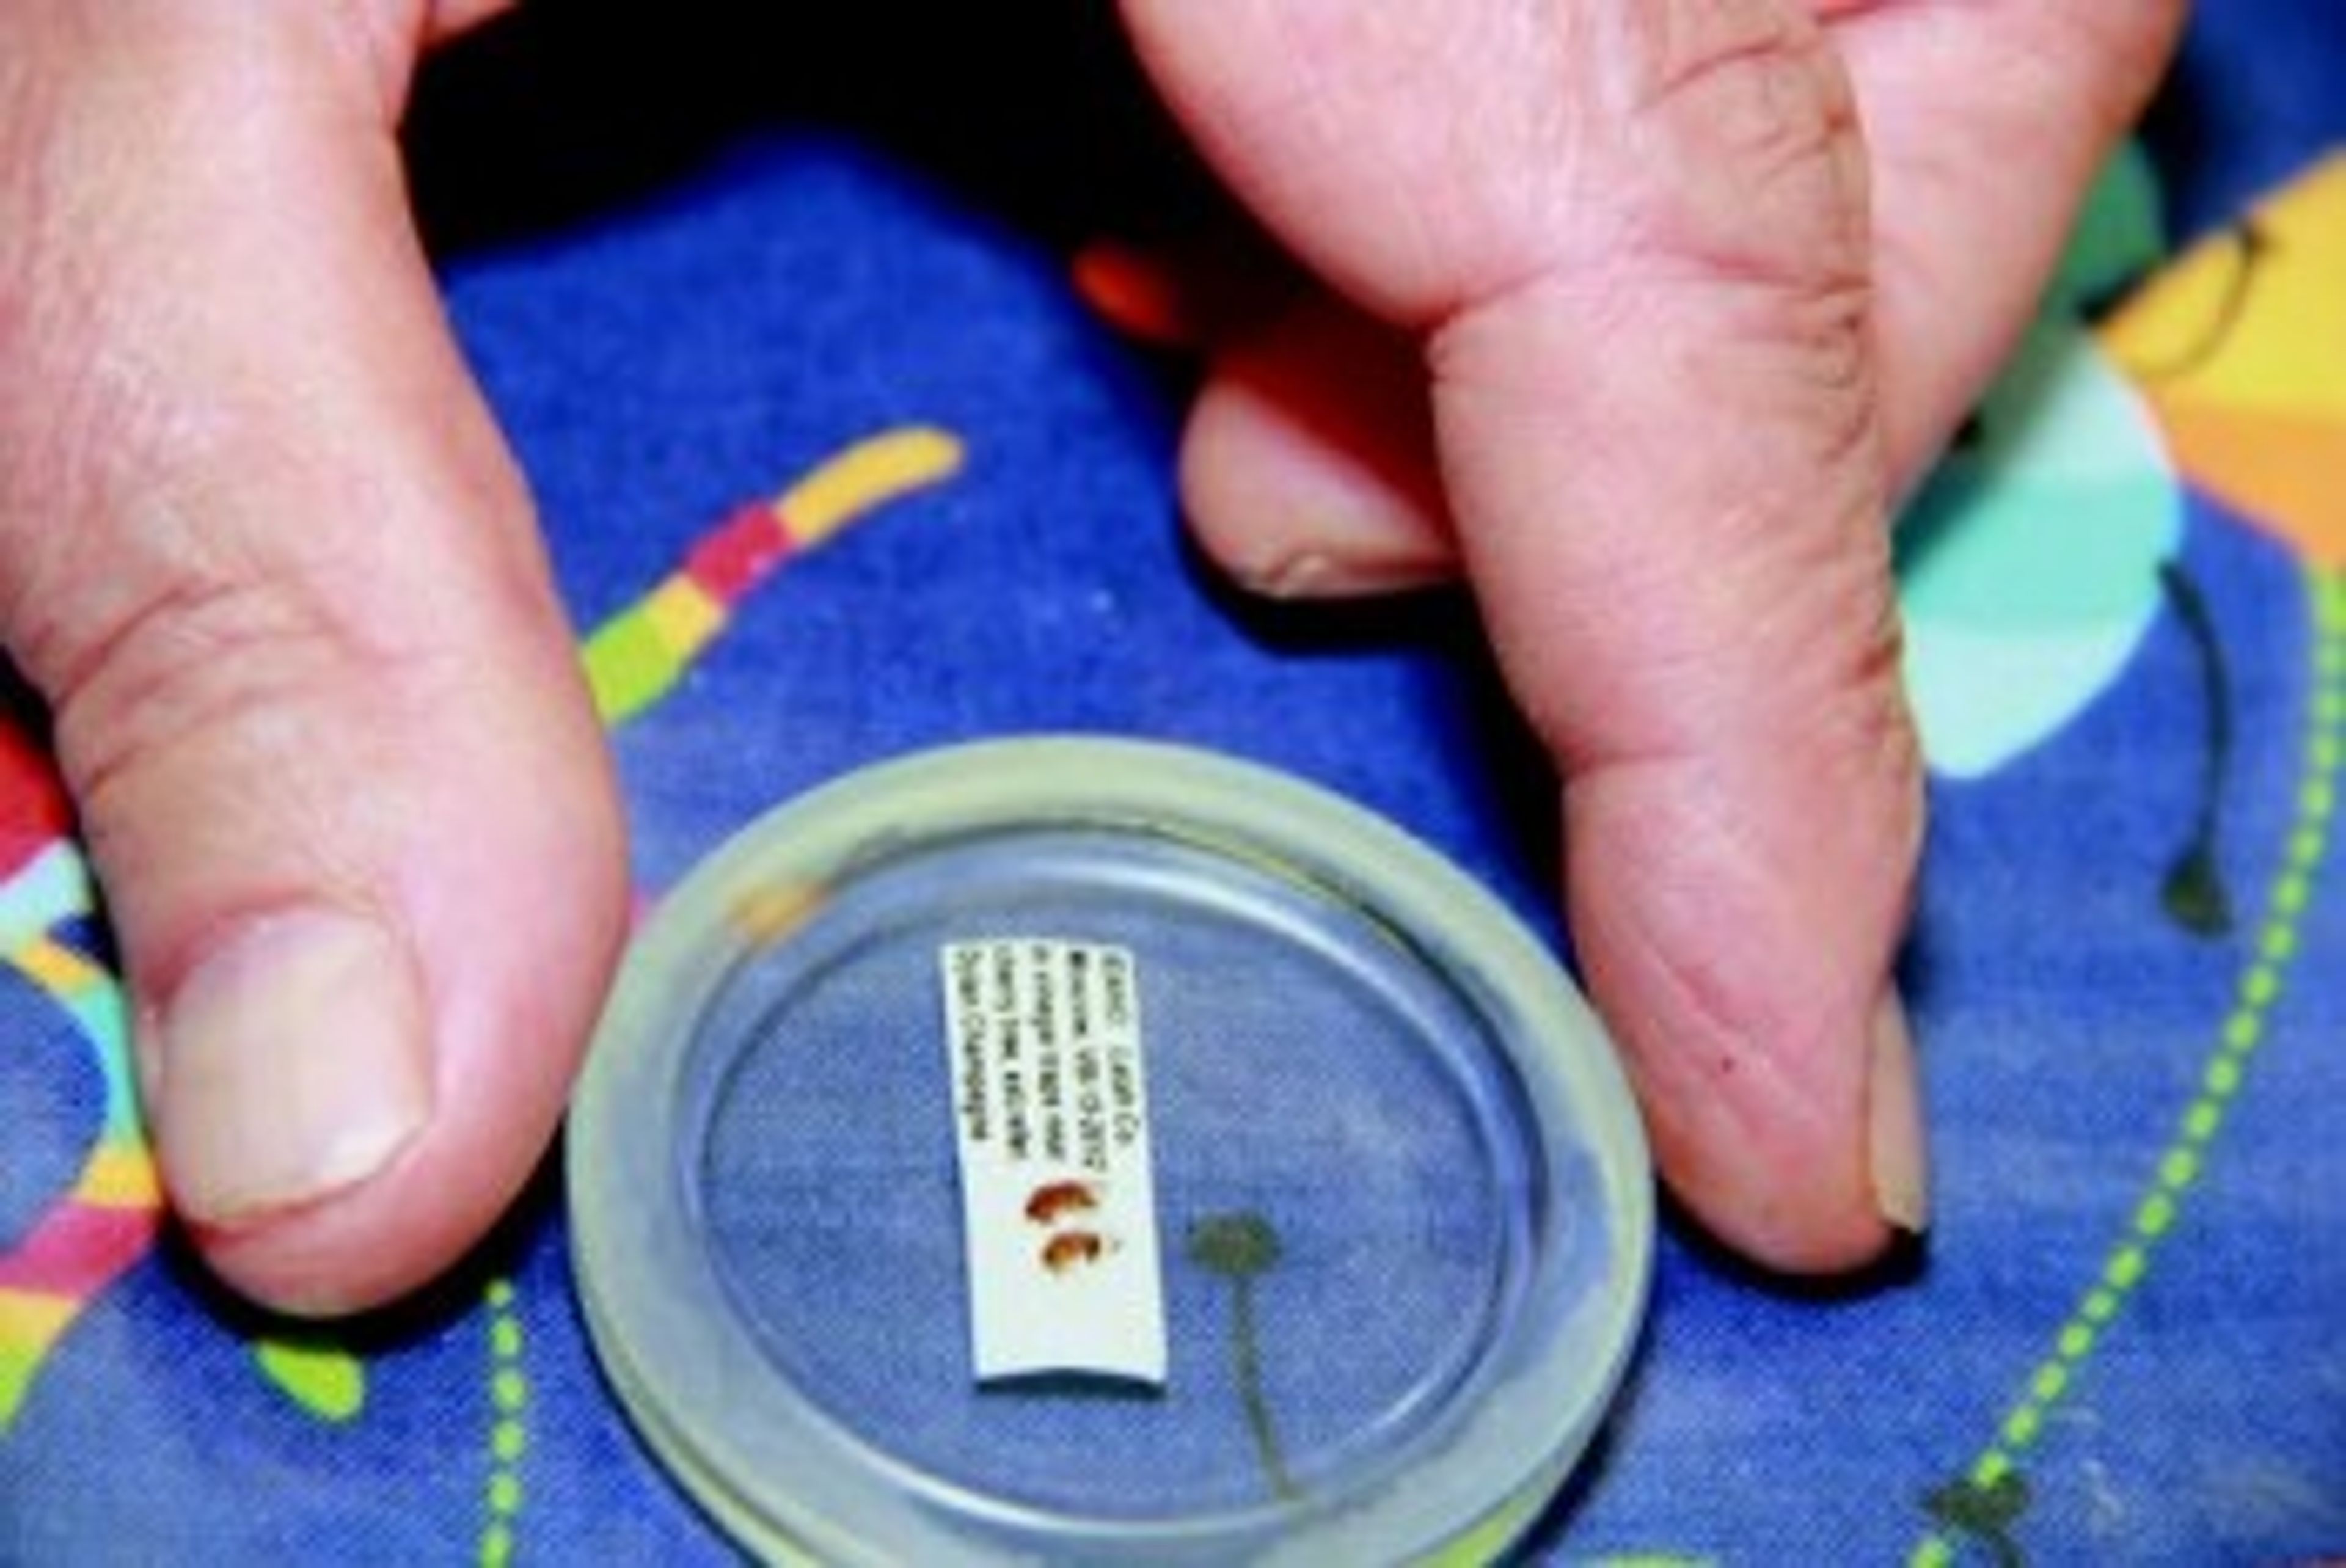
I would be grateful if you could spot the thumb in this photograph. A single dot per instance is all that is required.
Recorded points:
(265, 555)
(1634, 241)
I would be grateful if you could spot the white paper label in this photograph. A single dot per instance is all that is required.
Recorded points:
(1051, 1115)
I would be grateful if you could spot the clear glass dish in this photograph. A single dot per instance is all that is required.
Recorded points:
(1403, 1206)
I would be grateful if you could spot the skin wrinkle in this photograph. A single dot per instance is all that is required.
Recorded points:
(1716, 1028)
(1686, 40)
(1770, 111)
(1732, 857)
(214, 638)
(193, 656)
(163, 552)
(1811, 590)
(1730, 1024)
(1804, 316)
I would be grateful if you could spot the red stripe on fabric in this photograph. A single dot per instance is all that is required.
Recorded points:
(729, 561)
(33, 810)
(77, 1248)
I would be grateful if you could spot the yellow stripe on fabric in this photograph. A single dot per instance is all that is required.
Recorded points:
(684, 615)
(32, 1317)
(30, 1322)
(868, 475)
(120, 1176)
(56, 968)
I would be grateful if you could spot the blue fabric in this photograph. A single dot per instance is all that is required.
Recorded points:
(693, 261)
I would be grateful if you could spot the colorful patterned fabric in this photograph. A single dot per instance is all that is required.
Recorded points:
(808, 283)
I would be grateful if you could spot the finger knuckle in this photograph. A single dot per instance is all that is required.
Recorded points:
(160, 657)
(1740, 129)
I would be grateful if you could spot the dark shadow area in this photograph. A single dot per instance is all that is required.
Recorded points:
(21, 708)
(2192, 110)
(563, 112)
(2237, 111)
(1905, 1263)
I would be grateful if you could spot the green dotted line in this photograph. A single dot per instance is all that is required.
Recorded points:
(2244, 1032)
(508, 1432)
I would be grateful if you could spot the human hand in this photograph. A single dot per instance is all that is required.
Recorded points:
(263, 552)
(1643, 330)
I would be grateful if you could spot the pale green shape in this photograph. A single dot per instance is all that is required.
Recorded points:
(323, 1379)
(2028, 567)
(2028, 564)
(1981, 698)
(2059, 518)
(50, 887)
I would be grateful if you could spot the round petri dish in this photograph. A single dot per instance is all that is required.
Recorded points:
(1384, 1248)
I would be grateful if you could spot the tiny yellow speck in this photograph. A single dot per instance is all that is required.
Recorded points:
(766, 915)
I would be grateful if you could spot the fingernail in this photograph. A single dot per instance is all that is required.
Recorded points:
(1316, 574)
(1902, 1187)
(290, 1066)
